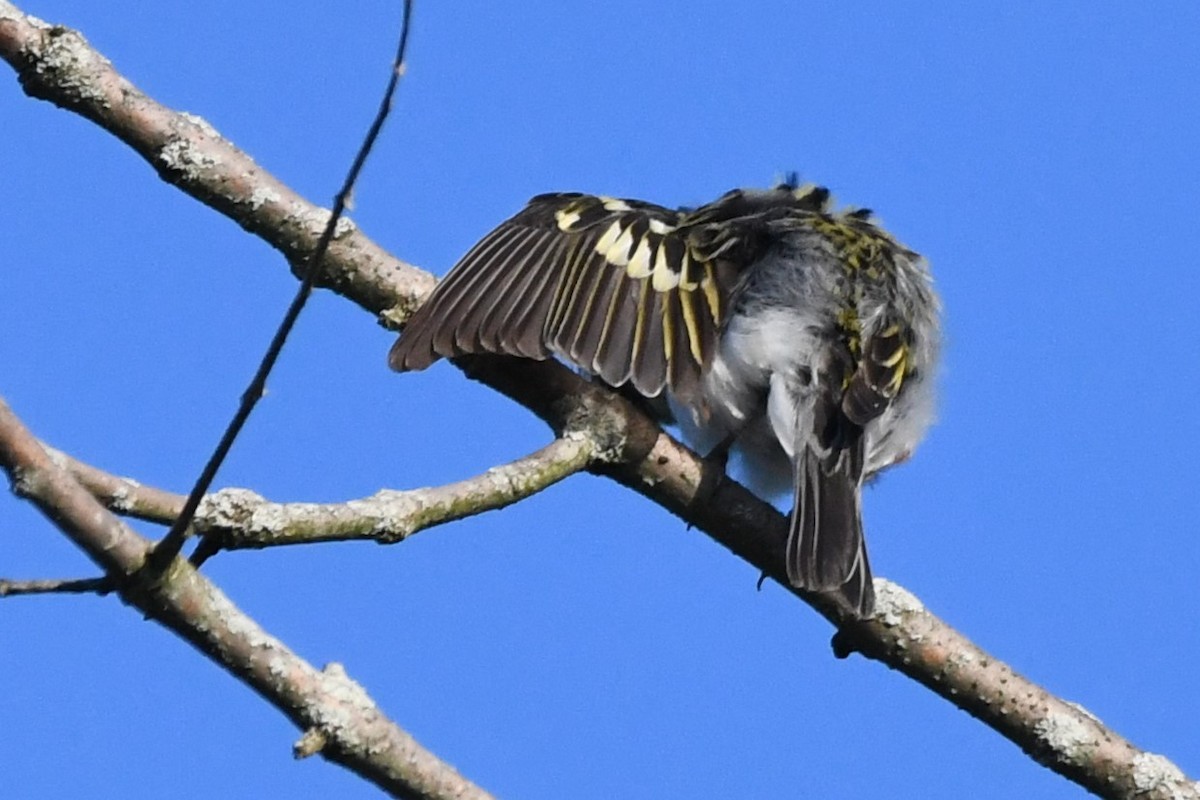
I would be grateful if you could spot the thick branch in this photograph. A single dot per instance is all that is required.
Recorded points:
(56, 64)
(326, 704)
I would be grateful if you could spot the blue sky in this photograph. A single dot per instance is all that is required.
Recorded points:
(584, 644)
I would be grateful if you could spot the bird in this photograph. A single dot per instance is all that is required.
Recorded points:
(804, 336)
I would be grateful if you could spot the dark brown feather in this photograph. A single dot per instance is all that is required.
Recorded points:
(593, 314)
(462, 296)
(858, 592)
(614, 357)
(525, 333)
(649, 368)
(521, 257)
(825, 538)
(516, 291)
(557, 278)
(879, 376)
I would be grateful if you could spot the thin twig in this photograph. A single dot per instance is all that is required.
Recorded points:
(353, 730)
(172, 543)
(10, 588)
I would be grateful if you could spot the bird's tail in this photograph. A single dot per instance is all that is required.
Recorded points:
(825, 547)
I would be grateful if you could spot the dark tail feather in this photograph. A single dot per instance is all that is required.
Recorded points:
(858, 592)
(825, 549)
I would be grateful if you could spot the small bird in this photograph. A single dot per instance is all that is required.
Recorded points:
(805, 336)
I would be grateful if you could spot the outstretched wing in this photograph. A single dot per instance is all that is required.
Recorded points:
(629, 291)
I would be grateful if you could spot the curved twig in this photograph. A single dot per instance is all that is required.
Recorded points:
(239, 518)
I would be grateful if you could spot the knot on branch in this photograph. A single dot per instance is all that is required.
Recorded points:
(335, 716)
(60, 66)
(595, 418)
(312, 742)
(227, 508)
(232, 518)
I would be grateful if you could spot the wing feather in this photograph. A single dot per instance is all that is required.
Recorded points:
(525, 333)
(464, 294)
(429, 335)
(523, 255)
(624, 289)
(614, 356)
(596, 321)
(520, 292)
(649, 367)
(581, 284)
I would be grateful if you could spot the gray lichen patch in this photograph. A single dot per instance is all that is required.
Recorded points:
(263, 195)
(1155, 773)
(68, 62)
(200, 122)
(183, 158)
(1066, 734)
(314, 219)
(893, 603)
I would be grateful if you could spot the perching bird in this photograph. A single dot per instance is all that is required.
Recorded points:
(806, 336)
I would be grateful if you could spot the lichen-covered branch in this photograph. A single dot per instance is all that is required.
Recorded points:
(55, 64)
(327, 705)
(125, 496)
(240, 518)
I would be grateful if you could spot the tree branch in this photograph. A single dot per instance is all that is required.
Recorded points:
(123, 496)
(332, 710)
(11, 588)
(56, 64)
(239, 518)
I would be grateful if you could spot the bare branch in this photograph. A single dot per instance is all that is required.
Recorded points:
(239, 518)
(124, 496)
(57, 65)
(10, 588)
(354, 731)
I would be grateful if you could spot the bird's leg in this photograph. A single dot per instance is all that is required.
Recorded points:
(656, 408)
(717, 462)
(719, 454)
